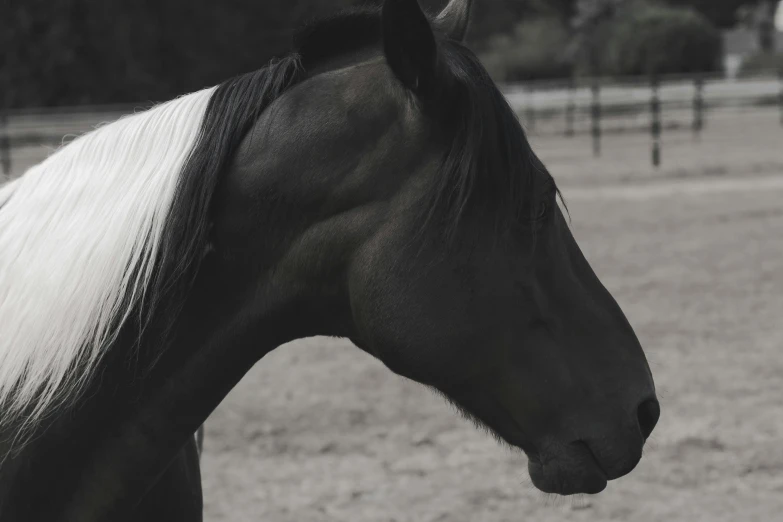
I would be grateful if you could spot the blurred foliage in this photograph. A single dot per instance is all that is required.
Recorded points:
(491, 17)
(722, 13)
(501, 17)
(761, 63)
(756, 14)
(761, 18)
(535, 50)
(648, 38)
(592, 26)
(642, 37)
(83, 51)
(63, 52)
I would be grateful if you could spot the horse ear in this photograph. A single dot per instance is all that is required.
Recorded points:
(409, 44)
(454, 20)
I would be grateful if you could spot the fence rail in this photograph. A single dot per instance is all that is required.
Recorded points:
(652, 105)
(595, 106)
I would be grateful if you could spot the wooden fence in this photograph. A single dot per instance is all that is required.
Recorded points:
(596, 106)
(653, 105)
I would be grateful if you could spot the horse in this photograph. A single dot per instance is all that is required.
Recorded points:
(374, 185)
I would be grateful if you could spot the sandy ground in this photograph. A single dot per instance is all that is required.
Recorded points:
(319, 431)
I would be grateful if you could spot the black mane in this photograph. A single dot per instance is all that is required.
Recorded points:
(489, 161)
(232, 110)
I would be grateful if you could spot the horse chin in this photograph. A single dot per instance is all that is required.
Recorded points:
(571, 472)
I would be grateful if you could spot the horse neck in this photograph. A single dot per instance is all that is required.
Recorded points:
(146, 402)
(48, 457)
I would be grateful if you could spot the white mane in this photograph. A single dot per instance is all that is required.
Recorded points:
(6, 190)
(79, 235)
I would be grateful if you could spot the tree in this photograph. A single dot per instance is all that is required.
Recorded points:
(654, 39)
(723, 13)
(493, 17)
(589, 22)
(632, 37)
(761, 18)
(65, 52)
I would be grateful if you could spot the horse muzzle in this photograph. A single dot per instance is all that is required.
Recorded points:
(587, 465)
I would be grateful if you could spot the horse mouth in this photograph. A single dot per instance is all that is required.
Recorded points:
(563, 469)
(575, 470)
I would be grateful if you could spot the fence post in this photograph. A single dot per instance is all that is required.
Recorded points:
(596, 117)
(570, 108)
(655, 127)
(698, 107)
(5, 147)
(780, 96)
(531, 110)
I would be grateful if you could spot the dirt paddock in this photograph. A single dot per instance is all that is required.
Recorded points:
(693, 252)
(319, 431)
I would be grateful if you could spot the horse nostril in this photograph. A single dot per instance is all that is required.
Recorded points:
(649, 411)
